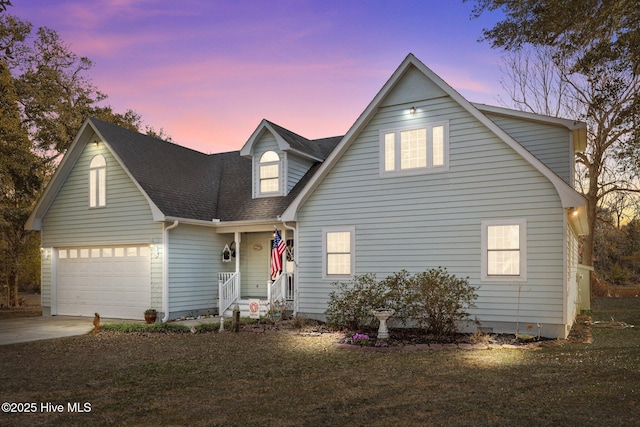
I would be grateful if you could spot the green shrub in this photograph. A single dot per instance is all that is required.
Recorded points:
(397, 292)
(211, 327)
(350, 304)
(434, 300)
(437, 301)
(143, 327)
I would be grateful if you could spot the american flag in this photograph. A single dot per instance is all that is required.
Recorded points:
(279, 246)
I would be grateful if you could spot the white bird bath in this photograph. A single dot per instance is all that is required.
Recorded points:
(383, 316)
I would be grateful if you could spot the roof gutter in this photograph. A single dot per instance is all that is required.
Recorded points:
(165, 269)
(213, 223)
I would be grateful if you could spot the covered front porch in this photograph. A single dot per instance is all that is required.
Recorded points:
(248, 282)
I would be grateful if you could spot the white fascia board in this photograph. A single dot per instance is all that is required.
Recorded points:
(291, 212)
(34, 222)
(157, 214)
(225, 227)
(64, 169)
(578, 128)
(247, 148)
(190, 221)
(569, 124)
(569, 197)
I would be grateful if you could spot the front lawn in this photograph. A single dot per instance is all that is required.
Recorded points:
(292, 379)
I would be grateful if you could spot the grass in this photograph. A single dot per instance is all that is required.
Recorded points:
(294, 379)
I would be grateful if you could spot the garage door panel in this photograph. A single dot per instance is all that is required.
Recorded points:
(113, 281)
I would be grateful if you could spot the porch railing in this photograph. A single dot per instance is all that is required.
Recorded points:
(228, 290)
(281, 289)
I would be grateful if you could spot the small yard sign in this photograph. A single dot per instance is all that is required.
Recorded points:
(254, 308)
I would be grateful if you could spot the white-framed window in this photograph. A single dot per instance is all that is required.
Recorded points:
(417, 149)
(504, 250)
(338, 249)
(269, 173)
(98, 182)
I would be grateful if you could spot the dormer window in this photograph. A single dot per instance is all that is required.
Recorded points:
(98, 182)
(269, 170)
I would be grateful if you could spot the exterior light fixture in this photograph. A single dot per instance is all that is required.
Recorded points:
(45, 253)
(412, 110)
(154, 250)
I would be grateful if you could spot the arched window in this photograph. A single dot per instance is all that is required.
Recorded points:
(97, 182)
(269, 172)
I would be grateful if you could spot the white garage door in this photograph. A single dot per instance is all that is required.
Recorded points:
(113, 281)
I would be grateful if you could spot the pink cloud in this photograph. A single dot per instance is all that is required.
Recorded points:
(223, 101)
(208, 72)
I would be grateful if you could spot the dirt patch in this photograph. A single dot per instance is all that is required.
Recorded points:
(581, 330)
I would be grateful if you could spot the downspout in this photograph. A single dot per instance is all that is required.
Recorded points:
(165, 270)
(295, 277)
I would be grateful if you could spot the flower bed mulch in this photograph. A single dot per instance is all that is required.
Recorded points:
(412, 339)
(407, 339)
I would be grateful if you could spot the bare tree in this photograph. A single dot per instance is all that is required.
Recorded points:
(606, 97)
(534, 83)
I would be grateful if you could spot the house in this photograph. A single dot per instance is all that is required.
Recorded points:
(422, 179)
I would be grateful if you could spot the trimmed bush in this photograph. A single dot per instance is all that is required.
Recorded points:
(434, 300)
(350, 304)
(437, 301)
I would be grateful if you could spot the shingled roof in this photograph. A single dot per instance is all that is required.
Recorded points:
(299, 143)
(185, 183)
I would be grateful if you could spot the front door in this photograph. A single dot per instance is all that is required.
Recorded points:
(254, 264)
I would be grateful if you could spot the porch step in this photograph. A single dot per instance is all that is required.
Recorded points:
(243, 305)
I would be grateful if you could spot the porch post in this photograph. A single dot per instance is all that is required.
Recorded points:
(283, 257)
(220, 283)
(237, 238)
(285, 279)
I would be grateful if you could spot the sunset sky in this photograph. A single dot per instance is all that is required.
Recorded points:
(207, 72)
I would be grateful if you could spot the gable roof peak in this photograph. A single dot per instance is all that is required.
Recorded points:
(286, 139)
(569, 197)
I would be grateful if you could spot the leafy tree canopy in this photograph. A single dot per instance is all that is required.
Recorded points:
(54, 94)
(589, 31)
(45, 96)
(587, 62)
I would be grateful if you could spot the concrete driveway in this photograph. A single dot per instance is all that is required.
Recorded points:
(43, 328)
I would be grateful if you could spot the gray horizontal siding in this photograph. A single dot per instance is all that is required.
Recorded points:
(423, 221)
(45, 286)
(296, 168)
(126, 219)
(549, 143)
(195, 258)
